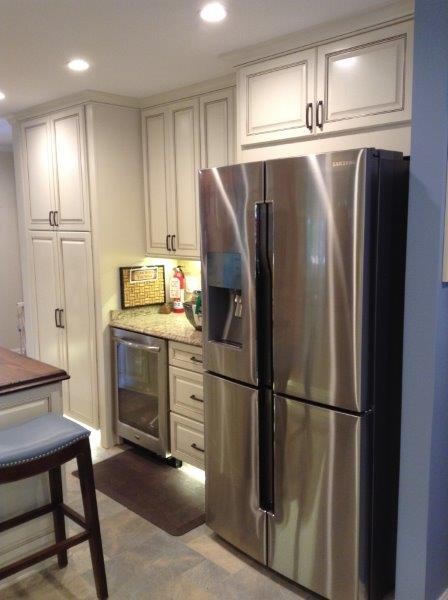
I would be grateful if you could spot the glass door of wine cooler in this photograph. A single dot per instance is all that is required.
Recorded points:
(141, 389)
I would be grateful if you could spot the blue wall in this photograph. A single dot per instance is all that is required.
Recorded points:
(422, 558)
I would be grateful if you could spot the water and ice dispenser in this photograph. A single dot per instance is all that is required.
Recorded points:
(225, 297)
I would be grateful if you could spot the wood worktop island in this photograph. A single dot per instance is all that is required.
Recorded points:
(28, 389)
(18, 372)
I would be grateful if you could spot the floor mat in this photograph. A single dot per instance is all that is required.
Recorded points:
(159, 493)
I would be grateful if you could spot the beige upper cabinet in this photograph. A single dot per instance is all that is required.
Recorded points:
(217, 112)
(365, 80)
(154, 123)
(55, 172)
(183, 210)
(70, 171)
(275, 98)
(37, 172)
(171, 155)
(357, 82)
(178, 139)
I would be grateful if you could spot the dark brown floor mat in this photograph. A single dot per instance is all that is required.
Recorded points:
(159, 493)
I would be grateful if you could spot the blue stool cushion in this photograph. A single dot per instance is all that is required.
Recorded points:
(38, 438)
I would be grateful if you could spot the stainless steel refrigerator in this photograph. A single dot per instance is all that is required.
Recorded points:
(303, 270)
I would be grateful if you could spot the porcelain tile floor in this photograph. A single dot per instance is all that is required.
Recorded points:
(143, 562)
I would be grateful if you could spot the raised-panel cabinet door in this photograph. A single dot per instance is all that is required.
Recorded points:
(365, 80)
(275, 99)
(78, 322)
(37, 173)
(155, 177)
(183, 208)
(70, 170)
(43, 256)
(217, 128)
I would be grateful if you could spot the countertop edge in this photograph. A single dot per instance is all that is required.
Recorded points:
(18, 386)
(148, 331)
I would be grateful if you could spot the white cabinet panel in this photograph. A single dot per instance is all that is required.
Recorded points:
(43, 251)
(186, 393)
(366, 80)
(37, 173)
(154, 158)
(78, 320)
(274, 98)
(68, 129)
(187, 440)
(185, 356)
(183, 215)
(217, 128)
(13, 415)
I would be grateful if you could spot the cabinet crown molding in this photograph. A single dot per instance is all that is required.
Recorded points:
(83, 97)
(95, 96)
(321, 34)
(190, 91)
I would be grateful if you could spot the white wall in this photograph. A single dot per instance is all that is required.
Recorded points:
(10, 277)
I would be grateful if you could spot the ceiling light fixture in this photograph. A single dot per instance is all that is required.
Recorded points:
(2, 96)
(78, 64)
(213, 12)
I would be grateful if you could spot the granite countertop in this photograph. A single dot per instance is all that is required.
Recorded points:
(18, 372)
(145, 320)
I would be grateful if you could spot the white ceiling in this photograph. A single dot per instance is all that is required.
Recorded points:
(136, 47)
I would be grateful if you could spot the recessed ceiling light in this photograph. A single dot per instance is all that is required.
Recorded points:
(78, 64)
(213, 12)
(2, 96)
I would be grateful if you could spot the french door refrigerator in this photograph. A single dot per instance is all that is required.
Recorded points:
(303, 269)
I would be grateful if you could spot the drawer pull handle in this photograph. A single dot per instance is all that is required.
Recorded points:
(196, 360)
(196, 447)
(194, 397)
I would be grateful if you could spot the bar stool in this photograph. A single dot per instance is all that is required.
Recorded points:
(44, 444)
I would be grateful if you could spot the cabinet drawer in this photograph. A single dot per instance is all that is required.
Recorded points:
(187, 440)
(186, 393)
(185, 356)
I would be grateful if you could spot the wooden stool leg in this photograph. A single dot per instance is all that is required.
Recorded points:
(55, 478)
(85, 470)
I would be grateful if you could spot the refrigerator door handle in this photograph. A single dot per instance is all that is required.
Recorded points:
(263, 291)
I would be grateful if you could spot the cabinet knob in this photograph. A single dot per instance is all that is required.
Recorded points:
(168, 238)
(51, 217)
(173, 247)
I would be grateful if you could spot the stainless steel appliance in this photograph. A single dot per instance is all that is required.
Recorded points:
(303, 270)
(141, 411)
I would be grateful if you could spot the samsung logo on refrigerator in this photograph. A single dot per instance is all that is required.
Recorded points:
(342, 163)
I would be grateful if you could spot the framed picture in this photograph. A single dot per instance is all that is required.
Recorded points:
(142, 286)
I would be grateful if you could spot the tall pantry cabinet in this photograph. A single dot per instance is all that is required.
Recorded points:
(78, 174)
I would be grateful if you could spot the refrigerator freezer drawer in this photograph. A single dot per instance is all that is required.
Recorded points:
(318, 536)
(232, 465)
